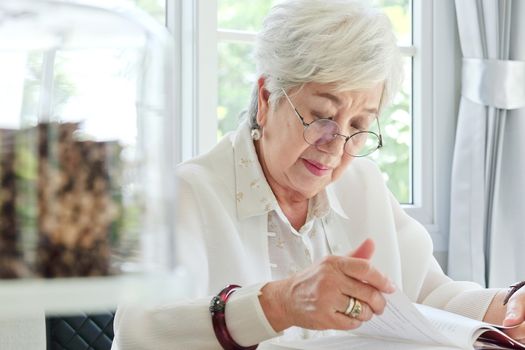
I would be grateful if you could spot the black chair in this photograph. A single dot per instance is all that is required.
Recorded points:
(80, 332)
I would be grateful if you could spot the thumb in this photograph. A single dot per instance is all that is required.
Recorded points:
(365, 250)
(514, 314)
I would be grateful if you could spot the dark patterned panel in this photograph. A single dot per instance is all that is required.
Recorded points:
(82, 332)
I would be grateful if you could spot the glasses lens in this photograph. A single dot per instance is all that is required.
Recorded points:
(321, 132)
(362, 144)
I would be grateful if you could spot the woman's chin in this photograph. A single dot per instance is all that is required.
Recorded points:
(310, 188)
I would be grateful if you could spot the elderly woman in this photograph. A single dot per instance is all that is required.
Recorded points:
(284, 226)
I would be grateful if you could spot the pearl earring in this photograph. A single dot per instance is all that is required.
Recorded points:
(256, 134)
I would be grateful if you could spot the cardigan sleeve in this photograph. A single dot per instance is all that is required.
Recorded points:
(435, 288)
(461, 297)
(186, 324)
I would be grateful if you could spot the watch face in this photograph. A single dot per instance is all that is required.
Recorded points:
(217, 305)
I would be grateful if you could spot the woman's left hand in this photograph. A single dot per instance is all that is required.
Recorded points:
(515, 315)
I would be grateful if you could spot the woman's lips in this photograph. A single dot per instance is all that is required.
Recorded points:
(316, 168)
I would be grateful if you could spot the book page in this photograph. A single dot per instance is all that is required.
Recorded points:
(401, 320)
(405, 325)
(347, 342)
(479, 331)
(453, 326)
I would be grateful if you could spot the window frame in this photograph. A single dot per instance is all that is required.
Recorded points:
(194, 25)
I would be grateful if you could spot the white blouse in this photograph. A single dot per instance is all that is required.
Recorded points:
(226, 220)
(292, 251)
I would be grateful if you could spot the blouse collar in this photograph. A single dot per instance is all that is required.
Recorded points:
(253, 193)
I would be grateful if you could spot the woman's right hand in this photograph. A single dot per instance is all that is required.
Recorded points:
(317, 297)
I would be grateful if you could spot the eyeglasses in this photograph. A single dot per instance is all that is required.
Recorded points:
(323, 131)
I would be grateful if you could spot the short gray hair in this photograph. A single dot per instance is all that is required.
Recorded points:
(348, 43)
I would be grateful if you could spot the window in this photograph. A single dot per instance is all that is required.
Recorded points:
(238, 22)
(155, 8)
(214, 43)
(215, 74)
(76, 73)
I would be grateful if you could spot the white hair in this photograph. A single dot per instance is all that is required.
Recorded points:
(348, 43)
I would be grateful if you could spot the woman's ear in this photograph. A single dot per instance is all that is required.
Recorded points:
(262, 102)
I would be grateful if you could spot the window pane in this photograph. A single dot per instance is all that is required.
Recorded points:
(156, 8)
(395, 158)
(248, 15)
(242, 15)
(400, 14)
(236, 79)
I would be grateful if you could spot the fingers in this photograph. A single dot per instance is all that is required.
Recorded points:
(366, 310)
(366, 294)
(515, 313)
(364, 251)
(342, 322)
(345, 322)
(362, 270)
(517, 333)
(317, 297)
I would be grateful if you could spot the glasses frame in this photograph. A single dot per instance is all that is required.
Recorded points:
(346, 137)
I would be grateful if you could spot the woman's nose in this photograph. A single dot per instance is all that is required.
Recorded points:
(334, 147)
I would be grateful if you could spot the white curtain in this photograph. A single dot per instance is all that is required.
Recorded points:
(487, 233)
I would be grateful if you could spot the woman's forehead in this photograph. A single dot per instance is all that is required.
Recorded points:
(368, 99)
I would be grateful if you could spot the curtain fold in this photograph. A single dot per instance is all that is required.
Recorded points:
(488, 174)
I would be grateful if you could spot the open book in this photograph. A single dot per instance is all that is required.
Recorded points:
(405, 325)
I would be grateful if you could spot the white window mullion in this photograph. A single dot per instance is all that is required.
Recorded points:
(194, 27)
(424, 176)
(207, 76)
(236, 35)
(422, 208)
(174, 24)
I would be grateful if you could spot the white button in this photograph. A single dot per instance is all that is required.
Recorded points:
(271, 234)
(273, 266)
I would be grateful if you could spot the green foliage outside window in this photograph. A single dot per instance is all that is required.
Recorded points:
(155, 8)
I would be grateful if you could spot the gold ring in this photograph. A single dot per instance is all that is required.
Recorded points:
(350, 307)
(355, 310)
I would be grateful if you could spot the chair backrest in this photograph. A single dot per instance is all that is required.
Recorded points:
(80, 332)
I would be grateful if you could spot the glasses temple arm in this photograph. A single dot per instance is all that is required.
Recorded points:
(379, 129)
(294, 109)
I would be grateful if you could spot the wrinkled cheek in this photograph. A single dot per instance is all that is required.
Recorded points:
(341, 168)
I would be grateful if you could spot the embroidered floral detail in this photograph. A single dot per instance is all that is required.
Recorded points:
(307, 253)
(239, 196)
(272, 225)
(245, 162)
(268, 207)
(254, 184)
(279, 243)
